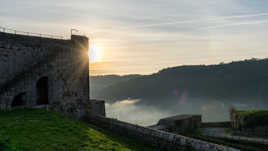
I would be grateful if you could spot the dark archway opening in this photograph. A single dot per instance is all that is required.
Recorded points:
(42, 91)
(18, 100)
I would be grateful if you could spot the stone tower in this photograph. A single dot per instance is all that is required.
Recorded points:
(37, 71)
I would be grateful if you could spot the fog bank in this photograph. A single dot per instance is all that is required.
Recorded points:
(134, 111)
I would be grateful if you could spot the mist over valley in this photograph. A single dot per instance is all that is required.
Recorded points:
(210, 90)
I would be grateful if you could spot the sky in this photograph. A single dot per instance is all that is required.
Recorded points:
(144, 36)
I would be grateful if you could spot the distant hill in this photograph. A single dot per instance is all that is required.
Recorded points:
(99, 83)
(240, 80)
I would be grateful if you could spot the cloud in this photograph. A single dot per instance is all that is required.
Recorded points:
(204, 19)
(238, 24)
(155, 33)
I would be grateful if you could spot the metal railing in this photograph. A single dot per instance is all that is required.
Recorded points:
(19, 32)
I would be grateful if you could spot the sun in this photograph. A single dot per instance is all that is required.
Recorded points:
(94, 54)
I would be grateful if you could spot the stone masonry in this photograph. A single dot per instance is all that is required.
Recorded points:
(42, 71)
(157, 138)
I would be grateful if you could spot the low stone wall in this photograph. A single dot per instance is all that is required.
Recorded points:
(97, 107)
(159, 139)
(226, 124)
(180, 123)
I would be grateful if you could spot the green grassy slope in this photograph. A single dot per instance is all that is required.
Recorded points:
(254, 118)
(41, 130)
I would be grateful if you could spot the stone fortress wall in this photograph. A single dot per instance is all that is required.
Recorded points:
(40, 71)
(160, 139)
(225, 124)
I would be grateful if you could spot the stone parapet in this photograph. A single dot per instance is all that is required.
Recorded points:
(157, 138)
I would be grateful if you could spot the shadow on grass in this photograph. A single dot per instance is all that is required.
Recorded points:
(123, 140)
(4, 147)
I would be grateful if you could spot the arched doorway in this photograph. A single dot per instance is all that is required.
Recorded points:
(18, 100)
(42, 91)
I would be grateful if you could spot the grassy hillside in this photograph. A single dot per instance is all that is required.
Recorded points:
(41, 130)
(254, 118)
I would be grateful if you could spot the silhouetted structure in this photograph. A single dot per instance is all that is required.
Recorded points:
(45, 71)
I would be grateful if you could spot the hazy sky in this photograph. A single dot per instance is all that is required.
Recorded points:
(143, 36)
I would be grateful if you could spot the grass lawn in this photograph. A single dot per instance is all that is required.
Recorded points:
(41, 130)
(253, 112)
(254, 118)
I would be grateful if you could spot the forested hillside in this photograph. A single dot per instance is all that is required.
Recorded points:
(240, 80)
